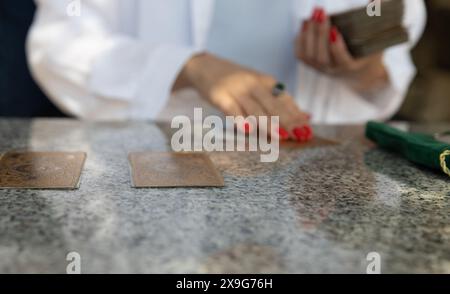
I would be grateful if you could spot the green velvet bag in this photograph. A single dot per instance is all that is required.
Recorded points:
(421, 149)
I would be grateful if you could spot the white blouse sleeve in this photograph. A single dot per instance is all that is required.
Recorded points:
(92, 71)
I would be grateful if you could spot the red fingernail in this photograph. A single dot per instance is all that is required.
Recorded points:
(315, 14)
(300, 134)
(321, 16)
(309, 132)
(247, 128)
(284, 135)
(333, 34)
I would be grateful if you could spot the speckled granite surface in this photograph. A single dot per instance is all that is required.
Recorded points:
(314, 211)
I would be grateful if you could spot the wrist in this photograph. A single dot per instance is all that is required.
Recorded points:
(371, 77)
(188, 76)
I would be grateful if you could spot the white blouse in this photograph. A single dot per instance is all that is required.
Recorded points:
(259, 34)
(118, 59)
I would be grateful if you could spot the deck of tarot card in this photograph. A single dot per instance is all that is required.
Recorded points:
(366, 34)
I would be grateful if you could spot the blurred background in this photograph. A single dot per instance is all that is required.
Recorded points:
(16, 84)
(428, 99)
(429, 96)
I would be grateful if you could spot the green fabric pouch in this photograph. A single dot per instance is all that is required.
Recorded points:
(421, 149)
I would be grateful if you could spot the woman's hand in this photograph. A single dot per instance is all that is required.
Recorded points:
(320, 45)
(239, 91)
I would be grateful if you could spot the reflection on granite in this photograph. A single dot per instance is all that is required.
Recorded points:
(314, 211)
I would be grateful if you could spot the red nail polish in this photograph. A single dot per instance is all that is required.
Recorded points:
(247, 128)
(315, 14)
(284, 135)
(300, 134)
(309, 132)
(333, 34)
(321, 16)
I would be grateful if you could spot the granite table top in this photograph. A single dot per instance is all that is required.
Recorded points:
(316, 210)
